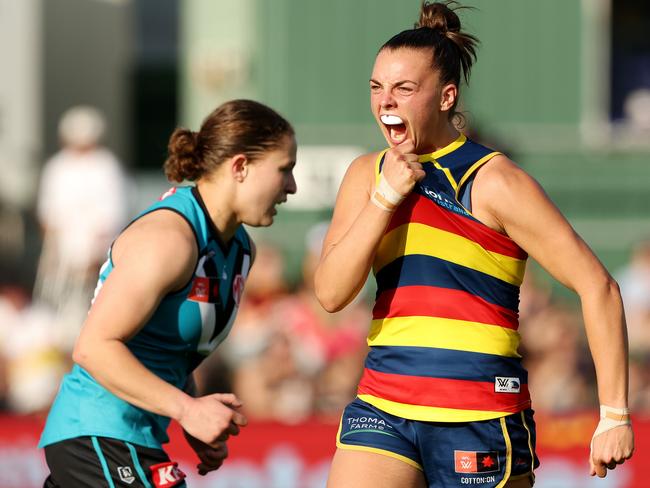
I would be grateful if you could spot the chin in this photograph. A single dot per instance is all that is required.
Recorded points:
(264, 221)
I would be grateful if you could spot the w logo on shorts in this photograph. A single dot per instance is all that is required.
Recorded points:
(476, 462)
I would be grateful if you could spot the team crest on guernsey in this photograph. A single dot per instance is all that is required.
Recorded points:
(476, 461)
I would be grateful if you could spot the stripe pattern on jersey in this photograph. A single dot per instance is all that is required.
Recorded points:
(445, 320)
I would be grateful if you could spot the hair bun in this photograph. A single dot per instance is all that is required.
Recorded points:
(438, 16)
(184, 161)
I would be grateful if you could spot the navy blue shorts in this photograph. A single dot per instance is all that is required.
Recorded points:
(484, 453)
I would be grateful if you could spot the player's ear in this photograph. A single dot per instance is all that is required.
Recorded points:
(448, 96)
(239, 167)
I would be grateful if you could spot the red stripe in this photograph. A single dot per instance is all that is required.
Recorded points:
(442, 393)
(429, 301)
(419, 209)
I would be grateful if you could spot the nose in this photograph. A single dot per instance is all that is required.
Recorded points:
(291, 186)
(386, 101)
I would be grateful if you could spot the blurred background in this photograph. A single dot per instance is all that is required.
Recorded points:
(92, 89)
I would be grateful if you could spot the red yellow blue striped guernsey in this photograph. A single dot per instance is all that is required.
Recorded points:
(443, 340)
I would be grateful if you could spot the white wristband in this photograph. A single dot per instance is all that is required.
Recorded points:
(611, 417)
(385, 196)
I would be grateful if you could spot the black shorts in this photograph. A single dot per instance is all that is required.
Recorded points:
(104, 462)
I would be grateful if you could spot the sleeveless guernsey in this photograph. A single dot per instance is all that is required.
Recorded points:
(183, 330)
(443, 340)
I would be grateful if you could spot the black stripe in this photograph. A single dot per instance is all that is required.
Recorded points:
(226, 311)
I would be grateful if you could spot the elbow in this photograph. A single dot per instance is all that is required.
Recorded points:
(609, 285)
(329, 301)
(603, 286)
(81, 354)
(331, 306)
(328, 297)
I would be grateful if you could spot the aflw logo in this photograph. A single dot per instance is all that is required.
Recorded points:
(506, 384)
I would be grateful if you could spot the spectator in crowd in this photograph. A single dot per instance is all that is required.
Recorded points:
(291, 359)
(332, 345)
(558, 380)
(634, 280)
(31, 362)
(82, 204)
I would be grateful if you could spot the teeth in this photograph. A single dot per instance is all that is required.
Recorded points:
(391, 119)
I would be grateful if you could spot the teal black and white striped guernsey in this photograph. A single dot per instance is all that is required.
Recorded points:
(183, 330)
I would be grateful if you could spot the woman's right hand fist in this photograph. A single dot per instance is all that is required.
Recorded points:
(401, 167)
(213, 418)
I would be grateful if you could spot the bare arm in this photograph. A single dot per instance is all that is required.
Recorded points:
(358, 225)
(508, 199)
(153, 257)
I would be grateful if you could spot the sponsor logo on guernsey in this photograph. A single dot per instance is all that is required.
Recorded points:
(200, 291)
(126, 474)
(168, 193)
(166, 475)
(506, 384)
(443, 201)
(476, 461)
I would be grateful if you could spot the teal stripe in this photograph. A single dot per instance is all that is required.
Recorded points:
(138, 467)
(102, 460)
(375, 431)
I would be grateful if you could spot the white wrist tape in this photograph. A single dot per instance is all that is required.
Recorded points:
(385, 196)
(611, 417)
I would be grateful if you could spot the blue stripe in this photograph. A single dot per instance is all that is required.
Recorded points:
(460, 160)
(102, 460)
(421, 270)
(138, 467)
(443, 363)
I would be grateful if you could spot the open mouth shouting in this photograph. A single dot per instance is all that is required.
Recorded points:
(395, 128)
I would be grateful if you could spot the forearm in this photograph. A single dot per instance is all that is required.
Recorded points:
(607, 335)
(113, 365)
(344, 268)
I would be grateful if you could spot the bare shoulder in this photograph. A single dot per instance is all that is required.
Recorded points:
(500, 174)
(501, 182)
(362, 169)
(159, 242)
(503, 191)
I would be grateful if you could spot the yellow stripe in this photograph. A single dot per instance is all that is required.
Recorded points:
(444, 333)
(474, 167)
(430, 414)
(448, 174)
(431, 158)
(506, 437)
(377, 164)
(530, 445)
(350, 447)
(460, 140)
(414, 238)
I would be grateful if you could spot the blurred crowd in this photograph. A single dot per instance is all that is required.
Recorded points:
(286, 358)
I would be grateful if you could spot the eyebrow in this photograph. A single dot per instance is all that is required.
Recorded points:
(401, 82)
